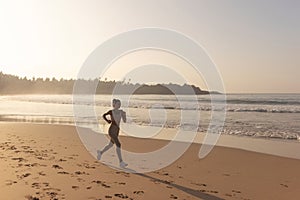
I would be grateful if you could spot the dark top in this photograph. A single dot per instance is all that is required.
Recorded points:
(115, 117)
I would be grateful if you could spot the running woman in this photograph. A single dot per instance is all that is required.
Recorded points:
(116, 114)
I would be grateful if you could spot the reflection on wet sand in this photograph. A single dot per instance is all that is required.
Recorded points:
(40, 119)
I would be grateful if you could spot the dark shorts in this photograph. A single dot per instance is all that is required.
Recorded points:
(113, 132)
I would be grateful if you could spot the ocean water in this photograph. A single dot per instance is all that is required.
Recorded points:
(254, 115)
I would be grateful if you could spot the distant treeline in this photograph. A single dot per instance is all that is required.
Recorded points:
(10, 84)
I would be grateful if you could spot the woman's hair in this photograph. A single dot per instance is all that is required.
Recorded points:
(114, 101)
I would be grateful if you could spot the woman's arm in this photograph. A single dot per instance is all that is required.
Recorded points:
(104, 117)
(123, 115)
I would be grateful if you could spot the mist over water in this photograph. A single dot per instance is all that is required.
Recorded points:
(255, 115)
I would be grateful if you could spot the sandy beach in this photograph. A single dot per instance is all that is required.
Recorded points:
(149, 100)
(50, 162)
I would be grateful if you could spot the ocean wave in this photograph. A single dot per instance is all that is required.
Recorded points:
(262, 110)
(263, 102)
(231, 99)
(266, 131)
(258, 110)
(289, 105)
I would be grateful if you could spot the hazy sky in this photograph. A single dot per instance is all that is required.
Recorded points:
(254, 43)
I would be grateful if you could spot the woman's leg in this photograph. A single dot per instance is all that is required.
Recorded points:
(111, 143)
(114, 133)
(115, 140)
(107, 147)
(118, 149)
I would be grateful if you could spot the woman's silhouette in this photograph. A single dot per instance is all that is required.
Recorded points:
(115, 118)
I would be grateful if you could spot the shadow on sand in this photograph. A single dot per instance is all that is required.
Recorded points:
(196, 193)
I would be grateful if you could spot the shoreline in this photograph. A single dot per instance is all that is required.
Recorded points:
(269, 146)
(288, 148)
(50, 161)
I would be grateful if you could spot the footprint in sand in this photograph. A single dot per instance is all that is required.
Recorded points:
(63, 172)
(23, 175)
(42, 173)
(52, 195)
(226, 174)
(80, 180)
(25, 147)
(200, 184)
(81, 173)
(123, 173)
(172, 196)
(236, 191)
(139, 192)
(19, 159)
(103, 184)
(31, 165)
(87, 166)
(209, 191)
(75, 187)
(46, 184)
(40, 158)
(36, 185)
(284, 185)
(50, 192)
(29, 197)
(29, 151)
(122, 196)
(12, 148)
(10, 182)
(56, 167)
